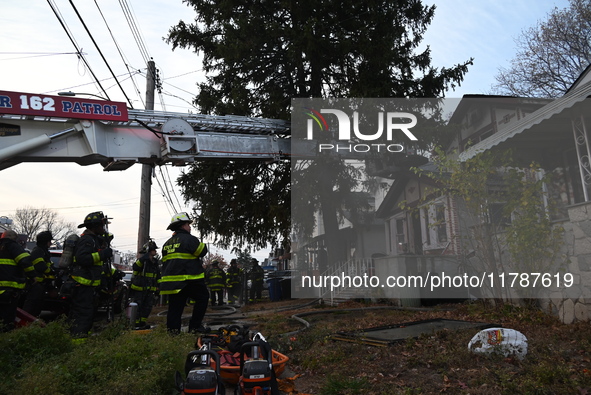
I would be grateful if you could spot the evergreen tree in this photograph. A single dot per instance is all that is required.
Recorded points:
(258, 55)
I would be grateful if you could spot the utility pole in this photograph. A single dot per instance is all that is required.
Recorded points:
(146, 181)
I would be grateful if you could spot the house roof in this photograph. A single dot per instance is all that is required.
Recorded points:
(388, 205)
(542, 126)
(467, 103)
(584, 77)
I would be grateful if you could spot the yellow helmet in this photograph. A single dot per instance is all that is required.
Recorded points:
(179, 219)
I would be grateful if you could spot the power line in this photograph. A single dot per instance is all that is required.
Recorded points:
(34, 54)
(168, 202)
(168, 192)
(184, 74)
(127, 12)
(99, 51)
(78, 50)
(89, 83)
(120, 51)
(172, 187)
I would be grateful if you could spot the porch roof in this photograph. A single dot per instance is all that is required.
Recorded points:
(544, 126)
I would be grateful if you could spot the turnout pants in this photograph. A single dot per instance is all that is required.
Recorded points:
(256, 291)
(234, 293)
(145, 302)
(81, 310)
(217, 296)
(196, 290)
(8, 304)
(35, 298)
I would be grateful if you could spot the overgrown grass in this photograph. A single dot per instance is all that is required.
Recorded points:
(45, 361)
(38, 360)
(558, 359)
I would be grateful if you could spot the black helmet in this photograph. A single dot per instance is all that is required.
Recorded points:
(95, 218)
(215, 262)
(149, 246)
(44, 237)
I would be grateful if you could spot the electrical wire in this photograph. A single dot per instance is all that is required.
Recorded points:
(120, 51)
(34, 54)
(168, 202)
(168, 191)
(164, 191)
(128, 13)
(140, 42)
(81, 85)
(172, 187)
(136, 32)
(100, 52)
(75, 44)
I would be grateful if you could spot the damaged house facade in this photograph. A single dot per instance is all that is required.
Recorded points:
(429, 234)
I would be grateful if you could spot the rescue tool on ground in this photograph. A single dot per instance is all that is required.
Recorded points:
(246, 360)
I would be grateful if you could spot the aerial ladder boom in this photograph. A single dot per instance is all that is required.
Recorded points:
(88, 131)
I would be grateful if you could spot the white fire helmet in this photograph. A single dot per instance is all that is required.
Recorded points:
(178, 219)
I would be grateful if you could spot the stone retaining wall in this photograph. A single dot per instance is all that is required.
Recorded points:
(574, 306)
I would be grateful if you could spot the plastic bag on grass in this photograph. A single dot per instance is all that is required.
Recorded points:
(507, 342)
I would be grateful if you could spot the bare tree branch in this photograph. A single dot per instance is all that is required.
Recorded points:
(551, 55)
(30, 221)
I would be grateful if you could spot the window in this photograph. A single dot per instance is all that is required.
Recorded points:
(401, 241)
(426, 226)
(389, 235)
(440, 225)
(434, 226)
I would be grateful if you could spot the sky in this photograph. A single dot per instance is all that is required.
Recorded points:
(37, 56)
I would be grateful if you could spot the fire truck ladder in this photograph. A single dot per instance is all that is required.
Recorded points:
(150, 137)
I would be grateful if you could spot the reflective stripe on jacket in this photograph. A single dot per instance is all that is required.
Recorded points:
(257, 274)
(181, 261)
(216, 278)
(234, 276)
(15, 265)
(88, 264)
(146, 274)
(42, 261)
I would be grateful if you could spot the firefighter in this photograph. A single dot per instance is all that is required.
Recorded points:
(15, 266)
(257, 277)
(183, 276)
(90, 254)
(234, 282)
(144, 283)
(42, 260)
(215, 278)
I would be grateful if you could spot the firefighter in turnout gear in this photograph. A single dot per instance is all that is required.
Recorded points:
(144, 283)
(234, 282)
(90, 254)
(183, 276)
(16, 266)
(42, 260)
(215, 278)
(257, 277)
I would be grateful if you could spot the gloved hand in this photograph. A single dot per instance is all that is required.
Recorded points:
(118, 275)
(106, 253)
